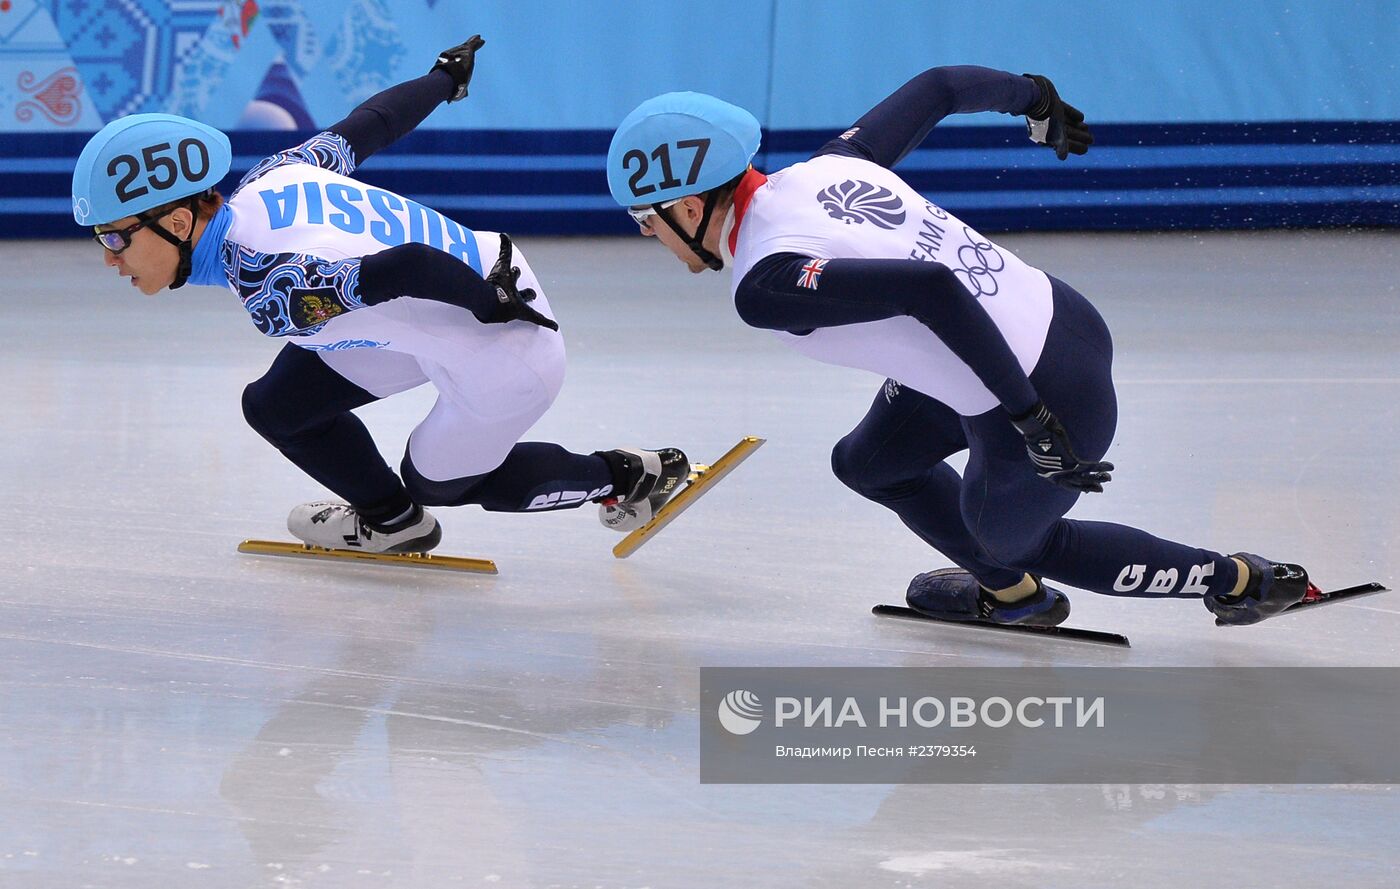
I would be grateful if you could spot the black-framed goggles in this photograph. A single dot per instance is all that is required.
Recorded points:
(116, 240)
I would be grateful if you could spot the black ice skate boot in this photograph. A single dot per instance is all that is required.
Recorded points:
(954, 594)
(649, 478)
(1271, 588)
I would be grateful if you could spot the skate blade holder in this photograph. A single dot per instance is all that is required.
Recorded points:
(703, 476)
(415, 560)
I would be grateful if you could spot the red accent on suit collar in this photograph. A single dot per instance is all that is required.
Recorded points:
(742, 195)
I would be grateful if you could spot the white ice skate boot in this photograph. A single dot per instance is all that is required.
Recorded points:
(653, 476)
(338, 526)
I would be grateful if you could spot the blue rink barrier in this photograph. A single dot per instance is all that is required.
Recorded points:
(1137, 176)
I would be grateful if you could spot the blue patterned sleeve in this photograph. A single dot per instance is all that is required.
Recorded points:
(327, 150)
(292, 294)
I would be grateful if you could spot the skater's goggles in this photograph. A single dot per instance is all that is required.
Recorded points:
(642, 215)
(117, 240)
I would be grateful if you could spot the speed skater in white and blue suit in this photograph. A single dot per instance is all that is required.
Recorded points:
(376, 294)
(982, 352)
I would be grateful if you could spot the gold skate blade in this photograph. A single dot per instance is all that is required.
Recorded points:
(702, 478)
(416, 560)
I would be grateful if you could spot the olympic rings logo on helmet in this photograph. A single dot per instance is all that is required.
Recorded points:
(142, 161)
(679, 144)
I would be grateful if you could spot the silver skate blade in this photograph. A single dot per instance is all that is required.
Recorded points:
(702, 478)
(415, 560)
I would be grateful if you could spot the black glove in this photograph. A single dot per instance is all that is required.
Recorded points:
(512, 304)
(1047, 443)
(458, 62)
(1054, 122)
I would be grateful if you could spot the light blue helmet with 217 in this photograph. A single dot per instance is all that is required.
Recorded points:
(141, 161)
(679, 144)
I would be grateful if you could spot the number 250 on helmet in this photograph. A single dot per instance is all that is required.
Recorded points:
(142, 161)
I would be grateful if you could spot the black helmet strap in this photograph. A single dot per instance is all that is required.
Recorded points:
(186, 247)
(694, 242)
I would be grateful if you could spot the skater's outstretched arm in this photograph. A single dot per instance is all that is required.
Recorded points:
(778, 293)
(381, 120)
(899, 124)
(294, 294)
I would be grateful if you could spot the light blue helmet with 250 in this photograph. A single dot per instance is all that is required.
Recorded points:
(679, 144)
(141, 161)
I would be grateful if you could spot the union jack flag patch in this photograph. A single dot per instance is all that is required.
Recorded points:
(811, 273)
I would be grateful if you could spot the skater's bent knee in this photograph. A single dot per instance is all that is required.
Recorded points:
(851, 463)
(844, 465)
(255, 410)
(882, 482)
(280, 422)
(427, 492)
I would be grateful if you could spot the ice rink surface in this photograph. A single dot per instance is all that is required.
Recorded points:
(174, 714)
